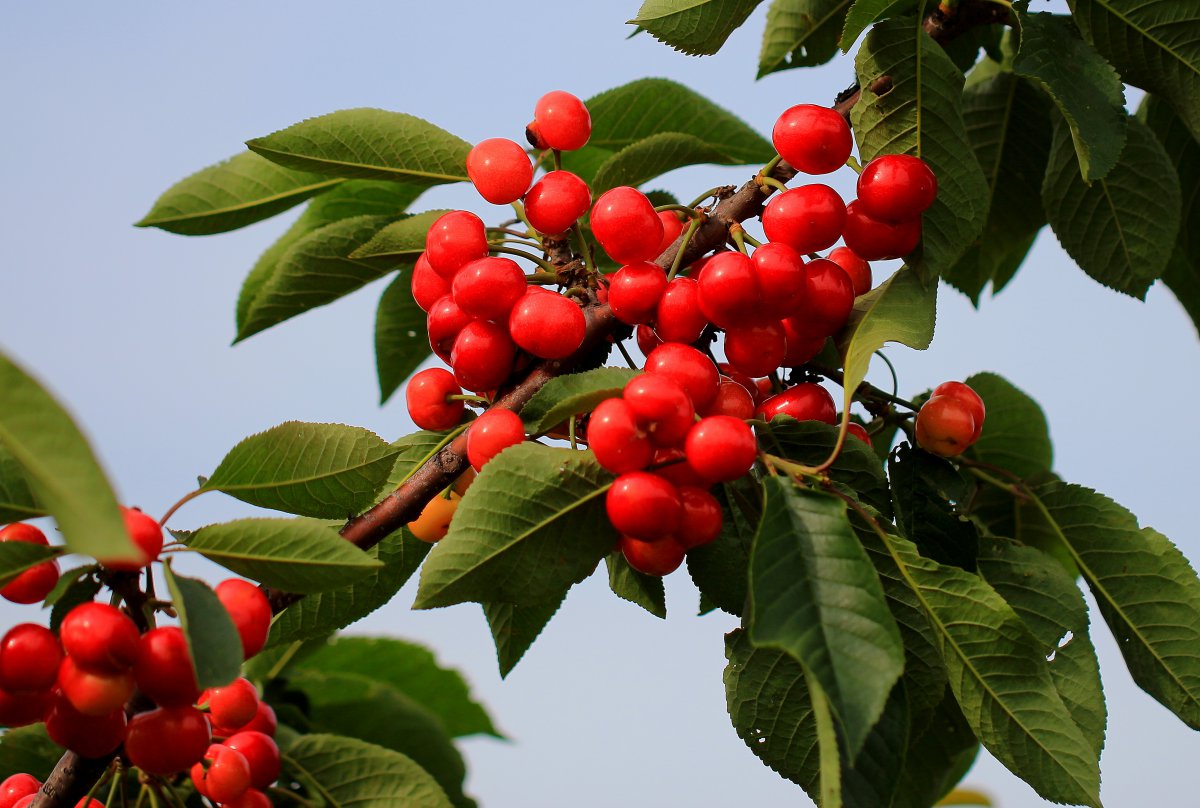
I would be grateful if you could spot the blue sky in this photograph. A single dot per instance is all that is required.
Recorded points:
(106, 106)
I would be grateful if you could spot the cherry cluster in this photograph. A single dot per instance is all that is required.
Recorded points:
(950, 420)
(102, 686)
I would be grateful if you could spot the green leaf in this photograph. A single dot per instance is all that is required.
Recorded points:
(815, 594)
(1153, 44)
(401, 339)
(350, 772)
(901, 309)
(329, 471)
(412, 670)
(212, 638)
(17, 501)
(1116, 227)
(403, 240)
(829, 758)
(924, 488)
(1145, 588)
(636, 587)
(648, 158)
(863, 13)
(695, 27)
(78, 589)
(573, 394)
(369, 144)
(412, 451)
(18, 556)
(315, 271)
(1086, 89)
(919, 112)
(1015, 433)
(721, 570)
(1046, 599)
(58, 466)
(532, 524)
(514, 628)
(800, 33)
(28, 750)
(296, 555)
(322, 613)
(242, 190)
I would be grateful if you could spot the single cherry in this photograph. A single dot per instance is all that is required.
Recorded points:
(167, 740)
(619, 443)
(560, 121)
(546, 324)
(635, 290)
(692, 370)
(88, 736)
(222, 775)
(875, 240)
(657, 558)
(807, 219)
(779, 272)
(94, 694)
(856, 268)
(701, 521)
(29, 659)
(454, 240)
(434, 522)
(643, 505)
(427, 286)
(492, 433)
(489, 287)
(721, 448)
(896, 188)
(626, 225)
(729, 293)
(426, 399)
(147, 537)
(500, 170)
(678, 317)
(829, 301)
(232, 706)
(483, 356)
(250, 611)
(968, 396)
(99, 638)
(444, 323)
(813, 139)
(556, 201)
(662, 407)
(804, 402)
(756, 349)
(945, 426)
(261, 753)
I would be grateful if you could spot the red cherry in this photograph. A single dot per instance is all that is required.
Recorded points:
(500, 170)
(626, 225)
(813, 139)
(764, 389)
(21, 531)
(556, 201)
(483, 356)
(426, 399)
(643, 505)
(444, 323)
(84, 802)
(694, 371)
(732, 399)
(147, 537)
(967, 396)
(167, 740)
(804, 402)
(226, 777)
(800, 347)
(453, 241)
(757, 349)
(29, 659)
(91, 693)
(17, 786)
(261, 753)
(546, 324)
(32, 585)
(88, 736)
(427, 286)
(701, 522)
(877, 241)
(896, 187)
(488, 288)
(945, 426)
(829, 303)
(728, 370)
(672, 227)
(562, 121)
(635, 290)
(779, 272)
(856, 268)
(233, 705)
(671, 465)
(99, 638)
(252, 798)
(808, 218)
(729, 292)
(657, 558)
(264, 722)
(647, 340)
(250, 611)
(678, 317)
(492, 433)
(164, 667)
(662, 408)
(614, 436)
(858, 431)
(721, 448)
(19, 709)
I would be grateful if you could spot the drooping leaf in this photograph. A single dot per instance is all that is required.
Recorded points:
(695, 27)
(862, 13)
(918, 110)
(28, 750)
(401, 341)
(721, 570)
(17, 501)
(412, 670)
(402, 240)
(369, 144)
(650, 157)
(532, 524)
(329, 471)
(573, 394)
(1115, 228)
(1085, 88)
(59, 467)
(636, 587)
(514, 628)
(296, 555)
(815, 595)
(212, 638)
(1015, 433)
(18, 556)
(351, 772)
(925, 488)
(829, 754)
(800, 33)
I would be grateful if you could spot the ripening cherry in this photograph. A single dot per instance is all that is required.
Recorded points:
(657, 558)
(635, 290)
(732, 399)
(222, 775)
(945, 426)
(672, 227)
(756, 349)
(489, 287)
(167, 740)
(807, 219)
(721, 448)
(88, 736)
(874, 240)
(729, 294)
(32, 585)
(492, 433)
(556, 201)
(678, 317)
(896, 187)
(427, 286)
(779, 272)
(813, 139)
(261, 753)
(800, 347)
(804, 402)
(859, 431)
(427, 403)
(643, 505)
(99, 638)
(619, 443)
(232, 706)
(164, 667)
(250, 611)
(92, 693)
(560, 121)
(483, 356)
(692, 370)
(626, 225)
(701, 520)
(147, 537)
(500, 170)
(856, 268)
(829, 302)
(662, 408)
(453, 241)
(967, 396)
(546, 324)
(29, 659)
(434, 522)
(17, 786)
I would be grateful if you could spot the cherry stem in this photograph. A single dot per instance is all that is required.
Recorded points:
(714, 192)
(557, 160)
(467, 397)
(546, 265)
(865, 391)
(628, 359)
(693, 225)
(751, 240)
(739, 237)
(1013, 488)
(581, 241)
(509, 231)
(892, 369)
(764, 182)
(571, 433)
(843, 429)
(852, 161)
(188, 497)
(690, 211)
(519, 209)
(770, 166)
(520, 241)
(542, 278)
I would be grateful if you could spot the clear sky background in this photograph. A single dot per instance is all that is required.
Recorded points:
(106, 105)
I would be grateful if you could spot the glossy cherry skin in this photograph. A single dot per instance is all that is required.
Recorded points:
(647, 340)
(556, 201)
(619, 443)
(94, 694)
(804, 402)
(945, 426)
(489, 287)
(147, 537)
(427, 286)
(657, 558)
(858, 431)
(970, 398)
(22, 531)
(453, 241)
(16, 787)
(701, 520)
(19, 709)
(643, 505)
(732, 399)
(99, 638)
(800, 347)
(492, 433)
(813, 139)
(662, 407)
(779, 272)
(164, 668)
(729, 294)
(434, 522)
(89, 736)
(672, 227)
(829, 301)
(483, 356)
(874, 240)
(500, 170)
(561, 121)
(232, 706)
(546, 324)
(32, 585)
(757, 349)
(858, 270)
(250, 611)
(721, 448)
(29, 659)
(635, 290)
(896, 187)
(226, 777)
(425, 396)
(807, 219)
(626, 225)
(444, 323)
(262, 754)
(167, 740)
(692, 370)
(678, 317)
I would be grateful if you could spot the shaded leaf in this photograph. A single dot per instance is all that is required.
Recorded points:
(695, 27)
(401, 240)
(721, 570)
(514, 628)
(925, 488)
(18, 556)
(401, 339)
(1015, 433)
(212, 638)
(573, 394)
(28, 750)
(17, 501)
(648, 158)
(800, 33)
(353, 772)
(864, 12)
(636, 587)
(78, 589)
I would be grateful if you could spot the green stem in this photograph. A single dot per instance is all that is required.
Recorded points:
(691, 212)
(519, 209)
(692, 227)
(739, 239)
(557, 160)
(751, 239)
(546, 265)
(467, 397)
(892, 368)
(852, 161)
(711, 192)
(188, 497)
(827, 744)
(769, 167)
(112, 792)
(581, 241)
(571, 433)
(765, 182)
(543, 278)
